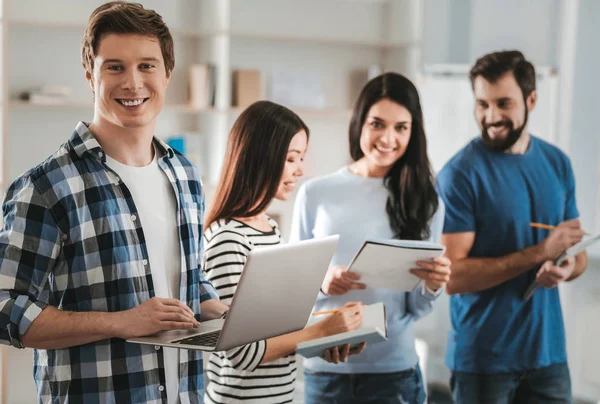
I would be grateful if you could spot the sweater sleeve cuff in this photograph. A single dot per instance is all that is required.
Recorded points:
(425, 291)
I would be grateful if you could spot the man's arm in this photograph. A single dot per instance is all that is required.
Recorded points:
(471, 275)
(30, 245)
(57, 329)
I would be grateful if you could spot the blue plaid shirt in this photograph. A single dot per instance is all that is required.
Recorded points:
(71, 239)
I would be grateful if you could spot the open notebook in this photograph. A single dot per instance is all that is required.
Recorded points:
(372, 330)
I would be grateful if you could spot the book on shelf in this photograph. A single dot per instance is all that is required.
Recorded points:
(42, 99)
(202, 85)
(213, 85)
(247, 87)
(47, 94)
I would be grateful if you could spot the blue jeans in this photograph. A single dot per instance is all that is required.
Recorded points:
(551, 384)
(404, 387)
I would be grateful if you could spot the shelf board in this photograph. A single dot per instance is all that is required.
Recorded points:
(67, 25)
(325, 41)
(62, 105)
(58, 25)
(309, 113)
(182, 108)
(187, 109)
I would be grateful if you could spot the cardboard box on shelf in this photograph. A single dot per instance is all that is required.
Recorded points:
(247, 87)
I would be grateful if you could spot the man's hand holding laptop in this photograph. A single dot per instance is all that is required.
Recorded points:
(152, 316)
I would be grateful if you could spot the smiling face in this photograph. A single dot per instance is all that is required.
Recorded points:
(501, 111)
(294, 166)
(129, 80)
(385, 135)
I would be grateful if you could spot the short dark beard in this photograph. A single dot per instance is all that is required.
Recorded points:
(502, 145)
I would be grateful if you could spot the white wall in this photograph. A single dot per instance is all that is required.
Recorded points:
(459, 31)
(530, 26)
(447, 31)
(20, 387)
(582, 298)
(585, 133)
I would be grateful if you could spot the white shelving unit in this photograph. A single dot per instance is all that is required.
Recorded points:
(331, 38)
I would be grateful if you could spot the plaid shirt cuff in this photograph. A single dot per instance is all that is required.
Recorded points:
(207, 291)
(30, 311)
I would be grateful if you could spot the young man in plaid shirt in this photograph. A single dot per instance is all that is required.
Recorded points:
(103, 240)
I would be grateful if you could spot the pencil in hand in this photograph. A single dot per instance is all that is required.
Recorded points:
(542, 226)
(546, 226)
(333, 311)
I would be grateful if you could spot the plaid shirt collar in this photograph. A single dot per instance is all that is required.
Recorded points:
(83, 142)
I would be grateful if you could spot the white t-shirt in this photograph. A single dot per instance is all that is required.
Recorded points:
(156, 204)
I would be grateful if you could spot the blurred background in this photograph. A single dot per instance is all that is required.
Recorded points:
(314, 56)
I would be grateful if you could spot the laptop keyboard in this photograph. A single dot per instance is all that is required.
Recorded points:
(208, 339)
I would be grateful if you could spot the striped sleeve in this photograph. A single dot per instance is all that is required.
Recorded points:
(246, 357)
(224, 259)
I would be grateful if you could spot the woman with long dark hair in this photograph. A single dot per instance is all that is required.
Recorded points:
(263, 161)
(387, 192)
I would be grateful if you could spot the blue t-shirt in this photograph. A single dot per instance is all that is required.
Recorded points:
(497, 195)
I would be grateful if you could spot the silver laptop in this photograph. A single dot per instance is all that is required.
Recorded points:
(275, 296)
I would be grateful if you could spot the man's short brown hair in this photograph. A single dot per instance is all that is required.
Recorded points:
(121, 17)
(496, 64)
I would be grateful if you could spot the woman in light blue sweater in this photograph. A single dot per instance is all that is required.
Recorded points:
(388, 192)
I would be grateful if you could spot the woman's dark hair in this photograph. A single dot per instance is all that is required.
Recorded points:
(254, 160)
(412, 199)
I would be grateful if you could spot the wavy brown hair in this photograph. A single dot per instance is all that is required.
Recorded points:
(254, 160)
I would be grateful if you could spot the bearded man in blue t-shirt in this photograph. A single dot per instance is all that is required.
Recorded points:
(503, 348)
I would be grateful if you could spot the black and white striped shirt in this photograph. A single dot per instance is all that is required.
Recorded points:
(235, 375)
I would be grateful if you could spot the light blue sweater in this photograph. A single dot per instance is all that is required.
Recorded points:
(354, 207)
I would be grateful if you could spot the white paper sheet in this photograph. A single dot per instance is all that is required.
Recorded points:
(387, 263)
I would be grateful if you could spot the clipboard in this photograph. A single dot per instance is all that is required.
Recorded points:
(570, 252)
